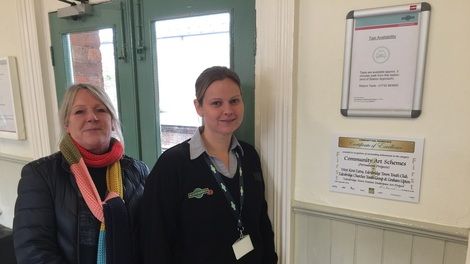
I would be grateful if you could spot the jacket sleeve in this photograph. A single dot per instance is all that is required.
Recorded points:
(140, 174)
(34, 227)
(159, 213)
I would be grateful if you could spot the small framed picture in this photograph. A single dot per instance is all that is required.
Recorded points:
(11, 112)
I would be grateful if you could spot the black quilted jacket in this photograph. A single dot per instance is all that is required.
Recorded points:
(45, 224)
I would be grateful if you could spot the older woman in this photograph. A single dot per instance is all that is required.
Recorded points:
(80, 205)
(204, 198)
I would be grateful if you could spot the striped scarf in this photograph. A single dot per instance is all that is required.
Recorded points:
(79, 158)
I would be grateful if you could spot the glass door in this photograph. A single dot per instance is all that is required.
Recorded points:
(147, 55)
(93, 49)
(183, 38)
(206, 40)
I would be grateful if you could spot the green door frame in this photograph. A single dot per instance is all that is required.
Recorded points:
(243, 51)
(132, 22)
(113, 15)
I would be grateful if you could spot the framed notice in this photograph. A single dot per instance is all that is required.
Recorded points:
(11, 113)
(380, 167)
(384, 61)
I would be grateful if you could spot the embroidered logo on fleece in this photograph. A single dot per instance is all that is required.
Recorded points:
(200, 192)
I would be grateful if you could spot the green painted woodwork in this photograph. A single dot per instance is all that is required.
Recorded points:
(132, 22)
(107, 15)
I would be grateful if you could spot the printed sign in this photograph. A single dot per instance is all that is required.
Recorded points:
(379, 167)
(384, 60)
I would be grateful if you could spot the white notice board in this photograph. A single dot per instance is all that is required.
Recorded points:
(11, 112)
(384, 61)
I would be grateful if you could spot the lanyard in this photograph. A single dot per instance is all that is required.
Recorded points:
(237, 213)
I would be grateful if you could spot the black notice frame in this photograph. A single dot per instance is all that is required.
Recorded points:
(384, 61)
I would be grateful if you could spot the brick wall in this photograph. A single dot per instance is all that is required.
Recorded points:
(86, 58)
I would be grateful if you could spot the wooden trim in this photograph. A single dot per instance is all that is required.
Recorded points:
(435, 231)
(15, 159)
(31, 80)
(273, 111)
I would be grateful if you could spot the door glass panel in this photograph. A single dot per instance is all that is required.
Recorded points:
(90, 57)
(184, 48)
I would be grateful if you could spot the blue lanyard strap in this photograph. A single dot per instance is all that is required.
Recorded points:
(237, 213)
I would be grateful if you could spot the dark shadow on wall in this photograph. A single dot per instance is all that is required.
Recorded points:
(7, 252)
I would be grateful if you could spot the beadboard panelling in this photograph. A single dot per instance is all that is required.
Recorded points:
(336, 236)
(343, 237)
(454, 253)
(321, 247)
(427, 251)
(397, 248)
(300, 250)
(368, 245)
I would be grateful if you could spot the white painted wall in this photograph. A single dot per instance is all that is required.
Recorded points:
(9, 47)
(444, 122)
(10, 171)
(9, 177)
(318, 67)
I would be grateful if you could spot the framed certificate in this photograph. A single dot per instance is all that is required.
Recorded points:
(11, 113)
(384, 61)
(381, 167)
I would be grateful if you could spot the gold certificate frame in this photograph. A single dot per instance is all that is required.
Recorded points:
(384, 61)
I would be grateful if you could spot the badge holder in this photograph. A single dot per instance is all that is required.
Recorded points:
(242, 246)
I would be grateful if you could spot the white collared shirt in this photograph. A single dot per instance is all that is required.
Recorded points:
(197, 148)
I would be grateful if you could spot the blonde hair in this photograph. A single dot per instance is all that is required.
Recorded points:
(101, 95)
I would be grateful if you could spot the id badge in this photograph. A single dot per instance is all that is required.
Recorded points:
(242, 246)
